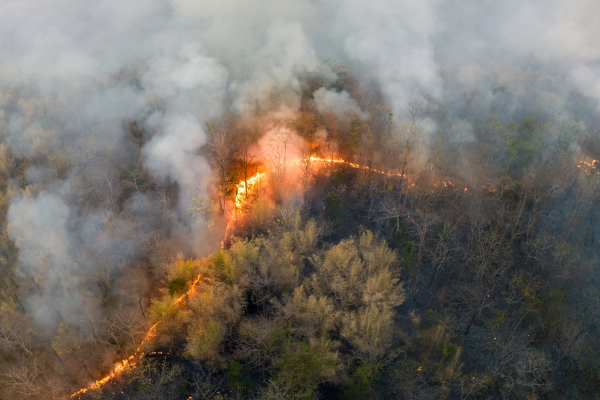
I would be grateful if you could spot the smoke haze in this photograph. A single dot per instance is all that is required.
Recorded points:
(73, 74)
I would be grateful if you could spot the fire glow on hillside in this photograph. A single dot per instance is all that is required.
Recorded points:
(243, 193)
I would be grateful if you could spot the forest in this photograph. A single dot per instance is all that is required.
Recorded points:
(353, 200)
(456, 266)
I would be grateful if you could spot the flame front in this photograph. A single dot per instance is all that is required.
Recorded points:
(354, 165)
(241, 194)
(131, 361)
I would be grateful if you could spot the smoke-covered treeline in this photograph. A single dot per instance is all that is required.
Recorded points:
(455, 257)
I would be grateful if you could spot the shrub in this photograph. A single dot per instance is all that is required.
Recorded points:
(333, 206)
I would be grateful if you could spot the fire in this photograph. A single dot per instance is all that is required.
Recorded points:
(592, 166)
(446, 184)
(358, 166)
(131, 361)
(241, 193)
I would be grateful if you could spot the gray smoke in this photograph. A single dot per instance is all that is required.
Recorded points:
(340, 104)
(71, 74)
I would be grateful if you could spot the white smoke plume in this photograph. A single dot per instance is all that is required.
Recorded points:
(38, 228)
(274, 83)
(339, 104)
(173, 153)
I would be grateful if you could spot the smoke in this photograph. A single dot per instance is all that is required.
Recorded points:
(394, 41)
(38, 228)
(74, 75)
(170, 154)
(510, 41)
(274, 84)
(339, 104)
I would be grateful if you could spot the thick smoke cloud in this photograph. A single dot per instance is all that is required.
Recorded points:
(39, 229)
(393, 40)
(274, 83)
(508, 40)
(339, 104)
(170, 154)
(72, 72)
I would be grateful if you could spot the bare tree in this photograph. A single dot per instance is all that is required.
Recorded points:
(14, 334)
(487, 259)
(278, 175)
(306, 125)
(422, 219)
(221, 152)
(469, 97)
(416, 111)
(122, 327)
(25, 379)
(411, 138)
(445, 245)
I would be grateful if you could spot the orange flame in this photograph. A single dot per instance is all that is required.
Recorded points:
(378, 171)
(592, 166)
(241, 193)
(131, 361)
(354, 165)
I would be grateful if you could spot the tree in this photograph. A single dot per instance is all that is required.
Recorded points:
(122, 327)
(247, 151)
(390, 144)
(220, 150)
(416, 111)
(411, 138)
(422, 220)
(277, 155)
(445, 235)
(202, 209)
(306, 125)
(487, 259)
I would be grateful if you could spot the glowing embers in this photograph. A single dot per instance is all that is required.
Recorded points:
(444, 184)
(241, 194)
(589, 167)
(132, 361)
